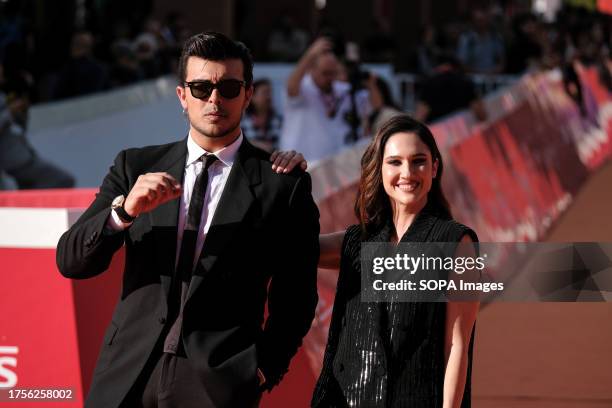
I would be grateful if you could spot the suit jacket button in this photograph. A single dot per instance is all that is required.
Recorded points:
(380, 370)
(162, 320)
(341, 368)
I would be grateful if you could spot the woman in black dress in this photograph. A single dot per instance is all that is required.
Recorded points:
(396, 354)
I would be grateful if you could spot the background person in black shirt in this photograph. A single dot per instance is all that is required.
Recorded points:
(448, 90)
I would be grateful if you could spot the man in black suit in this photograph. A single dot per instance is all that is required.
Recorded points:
(211, 233)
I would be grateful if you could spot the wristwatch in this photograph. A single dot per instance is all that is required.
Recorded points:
(117, 206)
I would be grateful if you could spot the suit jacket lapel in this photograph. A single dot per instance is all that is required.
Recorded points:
(164, 218)
(233, 206)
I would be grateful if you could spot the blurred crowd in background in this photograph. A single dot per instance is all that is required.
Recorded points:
(57, 50)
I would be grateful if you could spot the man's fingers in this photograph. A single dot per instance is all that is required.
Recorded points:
(283, 160)
(174, 182)
(274, 155)
(150, 184)
(150, 191)
(154, 189)
(151, 194)
(168, 196)
(172, 192)
(163, 176)
(166, 192)
(171, 181)
(297, 160)
(166, 185)
(277, 161)
(160, 182)
(282, 164)
(274, 158)
(292, 163)
(158, 176)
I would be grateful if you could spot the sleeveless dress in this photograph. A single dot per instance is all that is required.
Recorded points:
(387, 354)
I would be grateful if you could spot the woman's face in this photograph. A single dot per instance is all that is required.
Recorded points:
(262, 96)
(407, 171)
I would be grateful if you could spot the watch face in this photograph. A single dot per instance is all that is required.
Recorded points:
(118, 201)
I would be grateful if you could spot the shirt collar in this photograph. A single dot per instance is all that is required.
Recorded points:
(226, 155)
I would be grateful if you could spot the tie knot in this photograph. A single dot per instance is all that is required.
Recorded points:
(208, 159)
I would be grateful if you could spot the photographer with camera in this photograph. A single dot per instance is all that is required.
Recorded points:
(319, 111)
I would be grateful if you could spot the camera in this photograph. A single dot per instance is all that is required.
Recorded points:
(356, 76)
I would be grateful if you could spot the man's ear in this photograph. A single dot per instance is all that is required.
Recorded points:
(181, 92)
(248, 94)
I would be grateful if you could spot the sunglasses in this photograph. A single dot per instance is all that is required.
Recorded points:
(228, 88)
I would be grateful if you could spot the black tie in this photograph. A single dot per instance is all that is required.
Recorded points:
(182, 276)
(192, 223)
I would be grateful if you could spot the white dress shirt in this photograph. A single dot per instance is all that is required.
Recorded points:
(218, 173)
(307, 126)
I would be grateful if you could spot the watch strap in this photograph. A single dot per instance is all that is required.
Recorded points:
(123, 215)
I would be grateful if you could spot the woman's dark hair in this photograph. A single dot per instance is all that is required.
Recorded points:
(385, 93)
(214, 46)
(373, 207)
(256, 84)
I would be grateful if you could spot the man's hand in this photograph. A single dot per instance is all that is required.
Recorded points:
(284, 161)
(150, 191)
(319, 46)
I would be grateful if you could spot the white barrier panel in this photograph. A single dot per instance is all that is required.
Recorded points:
(32, 227)
(83, 135)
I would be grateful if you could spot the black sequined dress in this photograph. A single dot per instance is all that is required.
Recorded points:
(387, 354)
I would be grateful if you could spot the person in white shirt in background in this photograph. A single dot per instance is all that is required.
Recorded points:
(317, 104)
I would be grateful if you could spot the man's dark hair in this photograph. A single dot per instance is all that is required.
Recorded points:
(215, 46)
